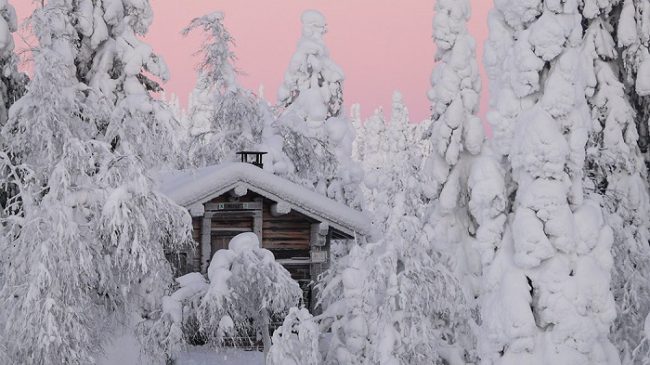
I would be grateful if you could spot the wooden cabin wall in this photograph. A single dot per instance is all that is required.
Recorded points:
(285, 232)
(287, 236)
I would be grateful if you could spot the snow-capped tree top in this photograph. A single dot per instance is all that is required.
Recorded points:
(450, 21)
(12, 82)
(518, 13)
(313, 82)
(400, 113)
(8, 25)
(455, 92)
(120, 22)
(217, 61)
(137, 14)
(314, 24)
(102, 39)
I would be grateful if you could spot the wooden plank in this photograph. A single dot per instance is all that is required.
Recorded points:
(283, 246)
(205, 247)
(196, 229)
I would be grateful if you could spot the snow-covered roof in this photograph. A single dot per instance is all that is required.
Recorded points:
(190, 188)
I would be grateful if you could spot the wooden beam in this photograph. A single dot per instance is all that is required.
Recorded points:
(258, 223)
(280, 208)
(197, 210)
(318, 234)
(206, 242)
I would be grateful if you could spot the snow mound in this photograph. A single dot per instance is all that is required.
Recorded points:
(244, 242)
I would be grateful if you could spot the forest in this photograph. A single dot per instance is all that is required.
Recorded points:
(519, 237)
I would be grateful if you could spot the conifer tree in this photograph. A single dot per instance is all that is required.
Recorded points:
(459, 223)
(615, 164)
(318, 140)
(546, 296)
(225, 118)
(12, 82)
(113, 60)
(85, 234)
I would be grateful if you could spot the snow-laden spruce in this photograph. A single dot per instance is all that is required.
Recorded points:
(616, 166)
(12, 82)
(296, 342)
(246, 287)
(378, 298)
(631, 19)
(224, 117)
(85, 234)
(392, 163)
(405, 159)
(546, 296)
(466, 218)
(391, 302)
(114, 61)
(317, 138)
(468, 202)
(313, 81)
(357, 125)
(372, 137)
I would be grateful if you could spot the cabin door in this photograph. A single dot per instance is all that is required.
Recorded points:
(227, 225)
(221, 239)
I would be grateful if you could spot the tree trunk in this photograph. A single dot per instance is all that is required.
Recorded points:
(264, 329)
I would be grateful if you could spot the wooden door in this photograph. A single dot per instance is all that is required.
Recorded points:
(227, 225)
(221, 239)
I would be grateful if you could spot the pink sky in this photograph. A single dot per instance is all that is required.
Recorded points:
(383, 45)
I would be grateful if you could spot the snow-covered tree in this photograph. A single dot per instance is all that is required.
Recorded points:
(313, 82)
(246, 283)
(631, 19)
(318, 140)
(405, 161)
(357, 124)
(246, 287)
(225, 118)
(393, 186)
(456, 85)
(616, 168)
(12, 82)
(84, 236)
(458, 223)
(121, 68)
(546, 286)
(391, 302)
(375, 130)
(296, 341)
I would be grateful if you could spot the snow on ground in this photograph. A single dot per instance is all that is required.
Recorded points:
(126, 351)
(207, 356)
(123, 350)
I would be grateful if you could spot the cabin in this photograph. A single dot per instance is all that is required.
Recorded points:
(295, 223)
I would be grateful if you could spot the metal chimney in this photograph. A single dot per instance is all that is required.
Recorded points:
(253, 158)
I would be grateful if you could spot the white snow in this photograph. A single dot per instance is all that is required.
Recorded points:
(207, 356)
(643, 77)
(190, 187)
(529, 248)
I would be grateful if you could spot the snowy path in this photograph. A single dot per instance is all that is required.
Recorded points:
(228, 357)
